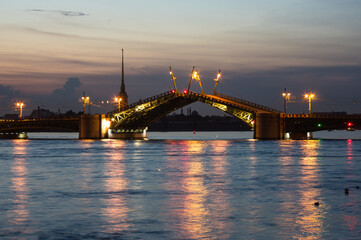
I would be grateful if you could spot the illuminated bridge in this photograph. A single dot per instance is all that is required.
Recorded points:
(138, 116)
(132, 121)
(18, 128)
(268, 123)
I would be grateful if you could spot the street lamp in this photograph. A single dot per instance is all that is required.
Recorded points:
(286, 97)
(20, 105)
(216, 80)
(309, 96)
(196, 77)
(85, 101)
(118, 100)
(173, 78)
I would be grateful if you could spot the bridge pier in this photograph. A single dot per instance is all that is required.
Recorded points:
(137, 134)
(300, 135)
(13, 135)
(97, 127)
(268, 126)
(94, 126)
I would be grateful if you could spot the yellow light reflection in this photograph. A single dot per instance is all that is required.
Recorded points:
(19, 214)
(188, 211)
(116, 211)
(310, 219)
(220, 201)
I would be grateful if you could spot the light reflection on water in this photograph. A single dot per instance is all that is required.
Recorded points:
(180, 189)
(310, 218)
(19, 215)
(199, 211)
(116, 211)
(188, 213)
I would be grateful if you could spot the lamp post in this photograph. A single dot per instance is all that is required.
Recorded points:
(196, 77)
(20, 105)
(118, 100)
(85, 101)
(173, 78)
(309, 96)
(286, 97)
(216, 80)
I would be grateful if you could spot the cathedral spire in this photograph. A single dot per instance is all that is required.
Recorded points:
(123, 94)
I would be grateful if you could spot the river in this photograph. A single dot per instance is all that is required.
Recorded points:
(180, 186)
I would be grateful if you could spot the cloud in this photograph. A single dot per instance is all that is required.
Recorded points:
(71, 13)
(7, 96)
(8, 91)
(68, 95)
(62, 12)
(70, 87)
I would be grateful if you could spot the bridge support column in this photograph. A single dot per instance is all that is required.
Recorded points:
(139, 134)
(16, 135)
(301, 135)
(268, 126)
(94, 126)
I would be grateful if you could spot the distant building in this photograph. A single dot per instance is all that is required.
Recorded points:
(11, 116)
(42, 113)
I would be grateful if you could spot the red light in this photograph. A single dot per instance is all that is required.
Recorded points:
(185, 91)
(350, 124)
(173, 91)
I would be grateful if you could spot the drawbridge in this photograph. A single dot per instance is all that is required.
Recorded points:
(138, 116)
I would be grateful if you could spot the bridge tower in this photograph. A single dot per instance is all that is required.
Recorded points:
(123, 94)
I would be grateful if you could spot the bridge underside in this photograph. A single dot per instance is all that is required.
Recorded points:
(15, 129)
(40, 125)
(298, 125)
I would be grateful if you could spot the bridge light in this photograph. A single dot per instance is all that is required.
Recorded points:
(118, 100)
(20, 105)
(286, 97)
(216, 80)
(173, 91)
(85, 100)
(309, 96)
(185, 91)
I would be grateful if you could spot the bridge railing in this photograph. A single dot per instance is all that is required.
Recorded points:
(247, 103)
(39, 119)
(141, 101)
(346, 116)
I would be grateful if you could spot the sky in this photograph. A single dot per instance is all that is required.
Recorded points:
(52, 51)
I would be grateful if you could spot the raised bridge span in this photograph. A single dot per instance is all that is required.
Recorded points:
(139, 115)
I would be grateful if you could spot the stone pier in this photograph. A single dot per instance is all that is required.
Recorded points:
(268, 126)
(94, 126)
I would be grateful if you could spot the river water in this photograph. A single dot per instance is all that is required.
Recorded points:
(206, 188)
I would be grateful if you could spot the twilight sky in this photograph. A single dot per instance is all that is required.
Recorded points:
(261, 47)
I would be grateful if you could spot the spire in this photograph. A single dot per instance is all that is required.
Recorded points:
(123, 94)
